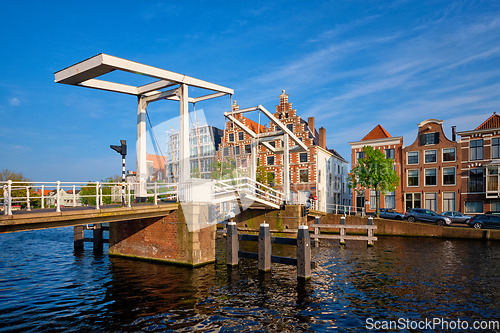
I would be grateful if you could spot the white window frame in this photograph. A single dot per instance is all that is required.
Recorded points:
(418, 157)
(425, 183)
(442, 155)
(454, 201)
(436, 154)
(435, 200)
(407, 178)
(442, 176)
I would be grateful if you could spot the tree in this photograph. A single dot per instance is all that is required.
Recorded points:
(225, 169)
(18, 189)
(88, 192)
(374, 172)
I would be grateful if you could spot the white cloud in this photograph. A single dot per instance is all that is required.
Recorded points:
(14, 101)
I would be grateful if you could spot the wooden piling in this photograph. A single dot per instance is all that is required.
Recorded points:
(232, 244)
(78, 237)
(97, 238)
(264, 247)
(342, 231)
(303, 253)
(317, 231)
(370, 232)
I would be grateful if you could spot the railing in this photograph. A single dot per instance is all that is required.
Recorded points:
(344, 209)
(248, 186)
(61, 191)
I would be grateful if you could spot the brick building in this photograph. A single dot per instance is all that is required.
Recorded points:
(318, 172)
(480, 155)
(392, 147)
(431, 164)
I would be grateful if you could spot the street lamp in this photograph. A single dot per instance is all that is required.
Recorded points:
(122, 150)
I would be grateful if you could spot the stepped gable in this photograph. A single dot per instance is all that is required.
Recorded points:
(377, 133)
(491, 122)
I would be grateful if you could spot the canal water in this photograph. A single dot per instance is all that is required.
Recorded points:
(46, 287)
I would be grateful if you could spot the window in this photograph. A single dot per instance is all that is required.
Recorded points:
(390, 200)
(373, 199)
(473, 206)
(236, 150)
(231, 137)
(495, 206)
(431, 201)
(449, 176)
(244, 163)
(476, 150)
(413, 157)
(429, 138)
(412, 200)
(225, 151)
(495, 148)
(303, 157)
(286, 115)
(248, 149)
(240, 136)
(448, 154)
(430, 177)
(303, 176)
(389, 153)
(360, 155)
(449, 201)
(290, 127)
(476, 181)
(430, 156)
(270, 160)
(272, 143)
(413, 177)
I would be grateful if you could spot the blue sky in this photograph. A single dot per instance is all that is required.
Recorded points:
(350, 64)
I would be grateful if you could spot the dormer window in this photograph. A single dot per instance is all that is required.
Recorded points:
(429, 138)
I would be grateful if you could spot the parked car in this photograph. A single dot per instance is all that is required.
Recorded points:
(485, 221)
(457, 217)
(426, 215)
(386, 213)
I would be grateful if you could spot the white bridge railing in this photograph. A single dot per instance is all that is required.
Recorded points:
(69, 194)
(248, 186)
(73, 194)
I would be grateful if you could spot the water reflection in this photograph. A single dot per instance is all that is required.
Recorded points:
(46, 287)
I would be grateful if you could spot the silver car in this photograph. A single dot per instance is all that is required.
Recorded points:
(457, 217)
(386, 213)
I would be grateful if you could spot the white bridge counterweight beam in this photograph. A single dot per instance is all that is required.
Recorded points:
(184, 163)
(141, 147)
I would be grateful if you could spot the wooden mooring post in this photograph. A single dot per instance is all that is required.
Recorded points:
(264, 256)
(97, 237)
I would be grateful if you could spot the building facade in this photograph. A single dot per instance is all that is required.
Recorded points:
(203, 143)
(480, 155)
(319, 172)
(392, 147)
(431, 170)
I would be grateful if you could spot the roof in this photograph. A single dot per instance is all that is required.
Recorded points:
(158, 160)
(377, 133)
(336, 154)
(254, 126)
(491, 122)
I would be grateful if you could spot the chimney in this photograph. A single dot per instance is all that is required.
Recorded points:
(453, 133)
(310, 123)
(322, 137)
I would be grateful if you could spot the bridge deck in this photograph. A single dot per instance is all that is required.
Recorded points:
(43, 219)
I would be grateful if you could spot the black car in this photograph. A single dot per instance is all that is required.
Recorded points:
(485, 221)
(426, 215)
